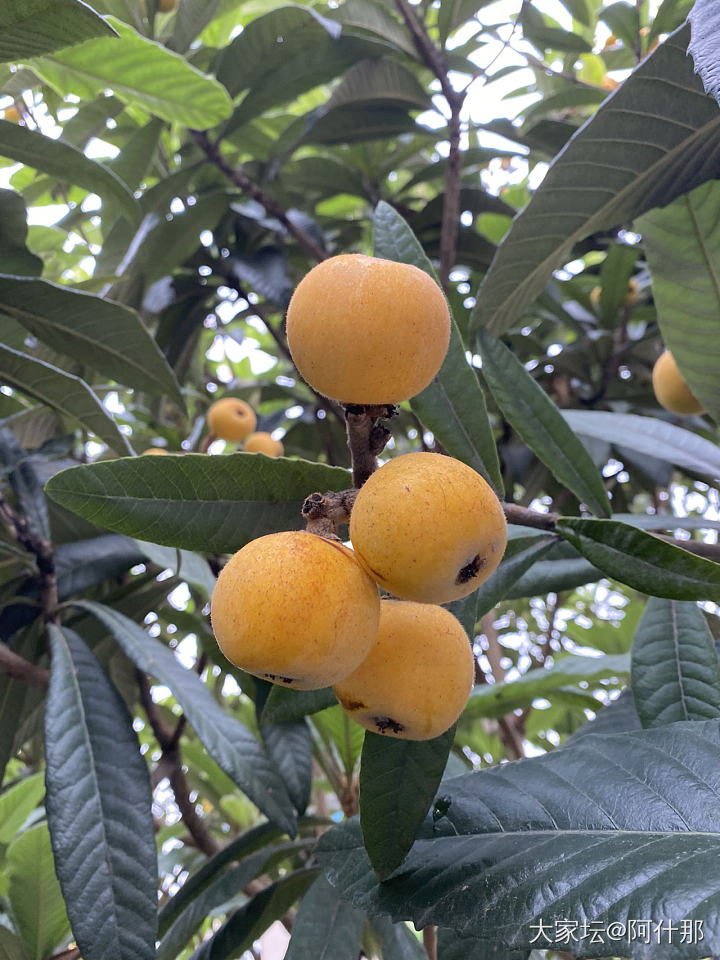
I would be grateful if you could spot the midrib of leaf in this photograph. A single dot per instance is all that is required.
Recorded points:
(703, 248)
(333, 921)
(676, 645)
(19, 312)
(598, 217)
(86, 738)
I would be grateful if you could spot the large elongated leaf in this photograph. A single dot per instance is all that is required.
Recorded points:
(682, 245)
(289, 746)
(31, 27)
(541, 425)
(234, 748)
(99, 808)
(521, 554)
(220, 890)
(646, 435)
(189, 566)
(212, 504)
(675, 674)
(283, 706)
(35, 897)
(246, 924)
(494, 700)
(326, 927)
(613, 829)
(14, 255)
(639, 150)
(140, 72)
(381, 80)
(641, 560)
(705, 23)
(63, 392)
(453, 405)
(398, 780)
(106, 336)
(66, 163)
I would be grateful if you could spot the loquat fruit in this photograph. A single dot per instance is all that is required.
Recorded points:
(368, 331)
(231, 419)
(428, 528)
(295, 609)
(263, 443)
(12, 114)
(417, 677)
(155, 451)
(671, 389)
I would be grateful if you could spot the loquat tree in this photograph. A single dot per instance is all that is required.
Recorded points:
(359, 506)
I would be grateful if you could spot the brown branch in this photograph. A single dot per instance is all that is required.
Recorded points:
(207, 440)
(366, 437)
(325, 512)
(20, 530)
(430, 943)
(241, 180)
(21, 669)
(71, 954)
(435, 60)
(195, 824)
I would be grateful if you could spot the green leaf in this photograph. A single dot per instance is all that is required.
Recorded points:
(538, 421)
(325, 926)
(398, 780)
(31, 27)
(453, 405)
(14, 255)
(396, 940)
(641, 560)
(705, 24)
(246, 924)
(283, 706)
(191, 18)
(376, 19)
(99, 807)
(549, 38)
(289, 746)
(682, 245)
(451, 946)
(639, 150)
(35, 898)
(190, 567)
(217, 892)
(141, 73)
(17, 803)
(382, 80)
(10, 945)
(675, 673)
(63, 392)
(106, 336)
(615, 274)
(520, 555)
(237, 849)
(561, 836)
(646, 435)
(619, 716)
(670, 15)
(624, 21)
(66, 163)
(497, 699)
(227, 741)
(195, 502)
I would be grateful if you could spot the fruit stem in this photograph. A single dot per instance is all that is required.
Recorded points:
(366, 437)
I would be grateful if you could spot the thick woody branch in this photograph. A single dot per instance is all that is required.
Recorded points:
(366, 438)
(241, 180)
(21, 669)
(325, 512)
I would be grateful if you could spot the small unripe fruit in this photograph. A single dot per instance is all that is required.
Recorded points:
(231, 419)
(416, 679)
(671, 389)
(428, 528)
(154, 451)
(263, 443)
(368, 331)
(295, 609)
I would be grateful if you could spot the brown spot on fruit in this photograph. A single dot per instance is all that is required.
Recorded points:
(277, 679)
(384, 724)
(470, 570)
(351, 705)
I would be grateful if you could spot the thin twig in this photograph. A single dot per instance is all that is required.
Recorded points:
(21, 669)
(20, 530)
(429, 935)
(244, 183)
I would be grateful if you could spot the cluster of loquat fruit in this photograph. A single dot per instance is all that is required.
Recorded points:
(303, 610)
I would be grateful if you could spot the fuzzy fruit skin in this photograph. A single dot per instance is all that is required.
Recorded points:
(295, 609)
(231, 419)
(428, 528)
(416, 679)
(368, 331)
(155, 452)
(671, 389)
(264, 443)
